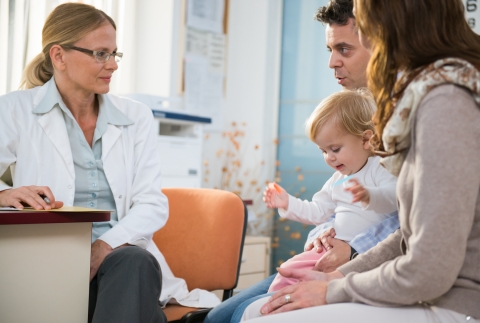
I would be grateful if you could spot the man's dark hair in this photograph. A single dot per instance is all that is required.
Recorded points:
(335, 12)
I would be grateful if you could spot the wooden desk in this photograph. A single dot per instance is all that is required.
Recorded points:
(45, 265)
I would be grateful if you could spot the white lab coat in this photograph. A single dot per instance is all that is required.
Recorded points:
(37, 148)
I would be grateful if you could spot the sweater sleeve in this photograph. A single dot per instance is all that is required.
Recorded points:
(438, 188)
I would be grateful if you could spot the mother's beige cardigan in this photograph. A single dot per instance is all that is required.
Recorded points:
(434, 258)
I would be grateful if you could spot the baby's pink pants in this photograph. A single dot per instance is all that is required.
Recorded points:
(305, 260)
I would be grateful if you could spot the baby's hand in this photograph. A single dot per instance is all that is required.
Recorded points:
(275, 196)
(360, 194)
(324, 238)
(322, 242)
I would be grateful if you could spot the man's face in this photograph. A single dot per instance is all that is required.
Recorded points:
(348, 57)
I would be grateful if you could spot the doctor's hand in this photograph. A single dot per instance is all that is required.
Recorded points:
(29, 195)
(100, 250)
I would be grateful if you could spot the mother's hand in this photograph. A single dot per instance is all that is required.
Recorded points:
(310, 291)
(30, 195)
(300, 295)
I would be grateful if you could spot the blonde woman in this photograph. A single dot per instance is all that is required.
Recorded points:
(70, 141)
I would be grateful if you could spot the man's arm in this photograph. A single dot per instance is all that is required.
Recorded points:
(369, 238)
(340, 252)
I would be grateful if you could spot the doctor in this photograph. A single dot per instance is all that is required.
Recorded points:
(66, 139)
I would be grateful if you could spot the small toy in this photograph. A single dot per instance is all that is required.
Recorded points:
(276, 187)
(343, 180)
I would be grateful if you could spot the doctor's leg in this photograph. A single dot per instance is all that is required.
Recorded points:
(126, 288)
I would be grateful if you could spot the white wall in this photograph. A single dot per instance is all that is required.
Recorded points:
(472, 13)
(154, 38)
(252, 82)
(252, 95)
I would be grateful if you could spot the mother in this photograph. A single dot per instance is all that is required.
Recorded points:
(425, 76)
(67, 139)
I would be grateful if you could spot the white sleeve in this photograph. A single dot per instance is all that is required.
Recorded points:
(383, 196)
(8, 139)
(319, 210)
(148, 211)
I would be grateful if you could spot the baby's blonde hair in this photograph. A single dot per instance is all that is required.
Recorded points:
(351, 109)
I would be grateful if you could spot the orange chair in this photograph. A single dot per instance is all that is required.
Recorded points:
(208, 226)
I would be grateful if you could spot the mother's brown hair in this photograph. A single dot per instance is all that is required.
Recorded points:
(406, 35)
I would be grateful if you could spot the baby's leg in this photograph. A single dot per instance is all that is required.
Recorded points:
(305, 260)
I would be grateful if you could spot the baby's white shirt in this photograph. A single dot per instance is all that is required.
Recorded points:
(351, 219)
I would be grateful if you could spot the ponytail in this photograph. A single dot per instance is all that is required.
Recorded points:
(37, 72)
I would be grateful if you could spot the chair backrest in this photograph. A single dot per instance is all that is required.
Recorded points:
(202, 240)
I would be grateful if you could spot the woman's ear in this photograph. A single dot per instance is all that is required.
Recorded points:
(57, 55)
(367, 134)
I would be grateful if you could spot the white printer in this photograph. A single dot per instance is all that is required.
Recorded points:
(180, 140)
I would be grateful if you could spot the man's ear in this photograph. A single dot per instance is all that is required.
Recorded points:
(57, 55)
(367, 134)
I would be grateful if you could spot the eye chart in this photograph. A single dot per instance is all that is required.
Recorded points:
(472, 14)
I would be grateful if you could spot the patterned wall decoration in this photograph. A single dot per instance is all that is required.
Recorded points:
(246, 179)
(302, 180)
(305, 81)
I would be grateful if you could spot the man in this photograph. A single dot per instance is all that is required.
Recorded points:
(349, 60)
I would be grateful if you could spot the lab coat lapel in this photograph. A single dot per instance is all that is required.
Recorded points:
(108, 139)
(54, 127)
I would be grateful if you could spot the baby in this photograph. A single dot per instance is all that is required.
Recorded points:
(361, 192)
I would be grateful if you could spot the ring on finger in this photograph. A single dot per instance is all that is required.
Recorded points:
(287, 298)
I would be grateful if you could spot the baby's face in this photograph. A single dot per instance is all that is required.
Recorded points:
(342, 151)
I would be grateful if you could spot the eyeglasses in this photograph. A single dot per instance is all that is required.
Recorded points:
(100, 56)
